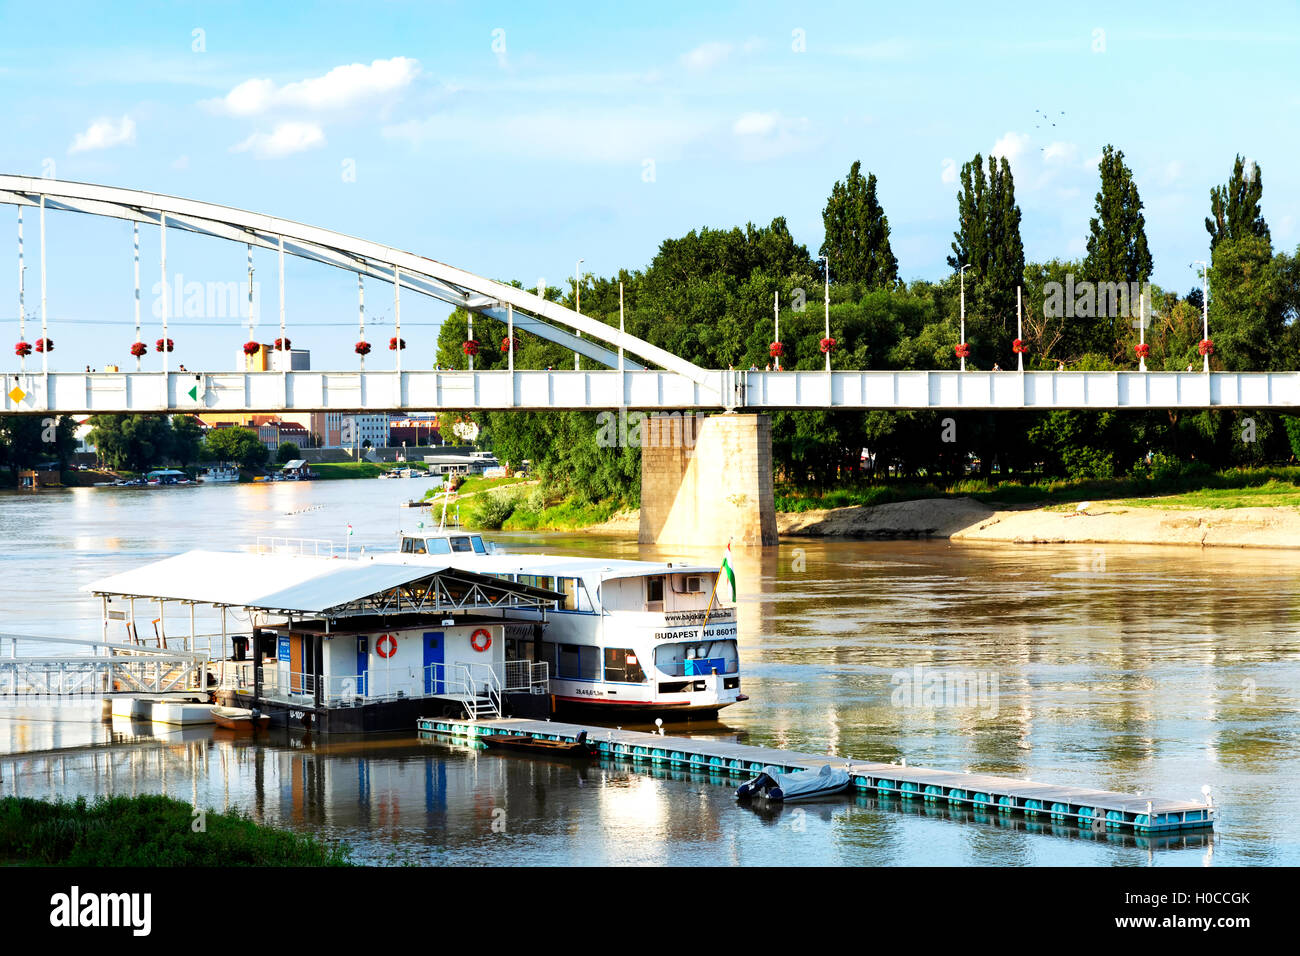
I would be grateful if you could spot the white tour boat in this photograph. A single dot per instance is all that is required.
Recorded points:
(629, 636)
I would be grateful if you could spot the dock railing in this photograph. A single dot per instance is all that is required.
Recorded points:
(81, 667)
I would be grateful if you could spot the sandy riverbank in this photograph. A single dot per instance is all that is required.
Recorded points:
(965, 519)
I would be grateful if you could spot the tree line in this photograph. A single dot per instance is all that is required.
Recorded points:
(708, 297)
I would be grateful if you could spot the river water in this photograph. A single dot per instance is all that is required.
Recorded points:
(1140, 669)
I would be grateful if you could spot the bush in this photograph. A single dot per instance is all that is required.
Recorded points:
(491, 509)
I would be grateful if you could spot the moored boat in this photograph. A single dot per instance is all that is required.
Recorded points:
(526, 744)
(777, 786)
(240, 718)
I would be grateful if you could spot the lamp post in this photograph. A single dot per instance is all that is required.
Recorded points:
(961, 336)
(827, 260)
(577, 301)
(1205, 308)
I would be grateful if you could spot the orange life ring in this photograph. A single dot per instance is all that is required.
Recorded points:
(474, 638)
(386, 641)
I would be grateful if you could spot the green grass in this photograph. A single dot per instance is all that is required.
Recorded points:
(1192, 488)
(567, 515)
(472, 484)
(147, 831)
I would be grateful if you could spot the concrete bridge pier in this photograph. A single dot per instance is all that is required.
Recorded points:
(707, 480)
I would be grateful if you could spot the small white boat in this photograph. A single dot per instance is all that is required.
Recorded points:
(777, 786)
(219, 474)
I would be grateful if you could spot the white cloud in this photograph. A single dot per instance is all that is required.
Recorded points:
(755, 124)
(181, 162)
(103, 133)
(1060, 152)
(1011, 145)
(948, 173)
(706, 55)
(341, 87)
(285, 139)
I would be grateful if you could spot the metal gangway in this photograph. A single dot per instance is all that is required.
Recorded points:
(84, 668)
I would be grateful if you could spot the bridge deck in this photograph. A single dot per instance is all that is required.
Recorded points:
(196, 392)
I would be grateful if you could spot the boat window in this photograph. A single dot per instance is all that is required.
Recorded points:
(578, 662)
(575, 595)
(623, 666)
(408, 546)
(697, 659)
(479, 547)
(438, 546)
(461, 544)
(538, 581)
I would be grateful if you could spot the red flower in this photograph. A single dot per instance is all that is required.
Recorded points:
(45, 345)
(138, 349)
(394, 344)
(776, 350)
(827, 345)
(282, 345)
(1142, 349)
(251, 348)
(1206, 347)
(507, 343)
(1019, 347)
(962, 350)
(159, 347)
(363, 347)
(470, 347)
(23, 348)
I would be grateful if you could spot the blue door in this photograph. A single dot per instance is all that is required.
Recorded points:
(435, 678)
(363, 665)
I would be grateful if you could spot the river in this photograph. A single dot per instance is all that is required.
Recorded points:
(1140, 669)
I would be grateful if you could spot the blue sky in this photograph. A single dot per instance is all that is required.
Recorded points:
(513, 139)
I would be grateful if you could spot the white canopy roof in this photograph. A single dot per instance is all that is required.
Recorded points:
(290, 582)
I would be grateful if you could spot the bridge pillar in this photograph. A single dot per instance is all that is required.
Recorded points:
(707, 480)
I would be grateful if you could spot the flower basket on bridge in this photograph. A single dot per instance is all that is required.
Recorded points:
(282, 345)
(251, 348)
(395, 343)
(138, 349)
(1142, 350)
(507, 344)
(1206, 347)
(827, 345)
(1019, 347)
(363, 347)
(961, 350)
(470, 347)
(23, 348)
(164, 345)
(776, 350)
(45, 345)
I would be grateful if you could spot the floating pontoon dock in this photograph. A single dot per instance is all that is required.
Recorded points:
(1079, 805)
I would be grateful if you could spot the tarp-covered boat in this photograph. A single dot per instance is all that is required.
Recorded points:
(775, 785)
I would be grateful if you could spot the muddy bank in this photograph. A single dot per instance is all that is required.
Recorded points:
(965, 519)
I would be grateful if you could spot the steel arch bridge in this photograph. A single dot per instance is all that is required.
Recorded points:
(656, 379)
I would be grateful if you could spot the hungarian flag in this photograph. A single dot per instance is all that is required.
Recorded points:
(729, 570)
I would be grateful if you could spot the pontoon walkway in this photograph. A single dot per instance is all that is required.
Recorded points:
(1081, 805)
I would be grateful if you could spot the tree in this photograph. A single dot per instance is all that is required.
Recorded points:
(1247, 306)
(1117, 241)
(988, 240)
(187, 440)
(857, 233)
(287, 452)
(1234, 206)
(237, 444)
(132, 442)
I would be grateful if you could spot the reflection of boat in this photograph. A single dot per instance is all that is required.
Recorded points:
(555, 748)
(240, 718)
(773, 785)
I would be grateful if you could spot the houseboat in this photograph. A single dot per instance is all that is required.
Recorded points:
(219, 474)
(634, 637)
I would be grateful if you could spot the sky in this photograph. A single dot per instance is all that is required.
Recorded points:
(513, 139)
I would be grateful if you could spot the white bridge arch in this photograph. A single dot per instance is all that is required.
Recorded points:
(675, 384)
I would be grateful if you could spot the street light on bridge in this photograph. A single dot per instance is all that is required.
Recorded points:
(577, 301)
(1205, 308)
(961, 336)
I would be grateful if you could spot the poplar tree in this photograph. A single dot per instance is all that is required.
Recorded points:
(857, 233)
(1234, 206)
(988, 239)
(1117, 243)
